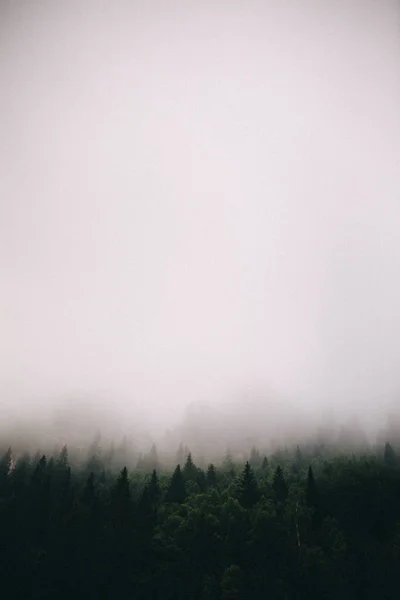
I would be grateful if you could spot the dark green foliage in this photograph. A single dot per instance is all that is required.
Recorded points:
(279, 485)
(66, 533)
(89, 491)
(211, 476)
(311, 491)
(264, 464)
(190, 471)
(5, 468)
(154, 489)
(176, 490)
(389, 455)
(248, 488)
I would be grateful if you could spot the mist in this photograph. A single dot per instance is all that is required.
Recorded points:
(199, 207)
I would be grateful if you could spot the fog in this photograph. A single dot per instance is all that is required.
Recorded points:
(199, 208)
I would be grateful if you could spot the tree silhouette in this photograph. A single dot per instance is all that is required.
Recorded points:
(279, 485)
(211, 476)
(176, 489)
(389, 455)
(311, 490)
(248, 488)
(189, 469)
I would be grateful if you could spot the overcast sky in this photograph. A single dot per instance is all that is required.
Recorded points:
(199, 198)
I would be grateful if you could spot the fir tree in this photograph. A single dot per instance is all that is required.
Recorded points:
(154, 489)
(211, 476)
(5, 467)
(279, 485)
(248, 488)
(311, 490)
(189, 469)
(389, 455)
(176, 490)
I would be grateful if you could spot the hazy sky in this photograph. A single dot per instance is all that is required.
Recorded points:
(200, 197)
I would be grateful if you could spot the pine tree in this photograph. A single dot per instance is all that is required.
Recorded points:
(89, 491)
(248, 488)
(298, 457)
(176, 490)
(211, 476)
(122, 485)
(279, 485)
(189, 469)
(264, 464)
(389, 456)
(62, 460)
(311, 490)
(5, 468)
(201, 480)
(154, 489)
(121, 500)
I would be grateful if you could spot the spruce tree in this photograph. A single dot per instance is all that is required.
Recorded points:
(154, 490)
(279, 485)
(176, 490)
(311, 490)
(211, 476)
(5, 468)
(248, 488)
(389, 455)
(189, 469)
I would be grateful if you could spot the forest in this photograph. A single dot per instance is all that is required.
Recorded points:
(303, 522)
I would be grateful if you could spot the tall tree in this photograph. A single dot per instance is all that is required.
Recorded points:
(5, 468)
(279, 485)
(154, 489)
(189, 469)
(248, 488)
(211, 476)
(389, 455)
(176, 489)
(311, 490)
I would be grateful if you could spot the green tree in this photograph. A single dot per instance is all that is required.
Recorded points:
(279, 485)
(389, 455)
(211, 476)
(176, 489)
(311, 490)
(189, 469)
(248, 488)
(154, 490)
(5, 468)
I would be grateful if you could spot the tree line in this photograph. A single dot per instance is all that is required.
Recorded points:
(290, 525)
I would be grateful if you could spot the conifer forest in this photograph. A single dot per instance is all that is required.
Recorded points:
(304, 522)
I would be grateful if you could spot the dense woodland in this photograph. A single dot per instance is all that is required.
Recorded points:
(299, 523)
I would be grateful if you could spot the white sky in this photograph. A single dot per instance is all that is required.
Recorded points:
(197, 197)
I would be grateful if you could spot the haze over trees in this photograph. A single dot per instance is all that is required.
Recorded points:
(199, 299)
(306, 522)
